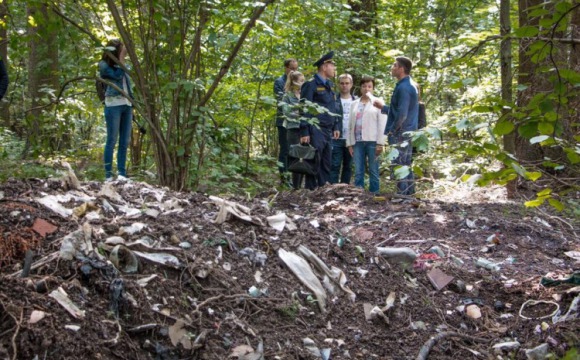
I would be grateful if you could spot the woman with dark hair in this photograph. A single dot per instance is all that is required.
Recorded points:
(118, 107)
(366, 136)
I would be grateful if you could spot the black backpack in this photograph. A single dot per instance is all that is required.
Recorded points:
(101, 89)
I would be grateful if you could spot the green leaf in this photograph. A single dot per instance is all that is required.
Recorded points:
(417, 171)
(538, 139)
(180, 151)
(463, 124)
(533, 175)
(401, 172)
(544, 192)
(490, 146)
(528, 130)
(393, 154)
(520, 170)
(456, 85)
(563, 6)
(551, 116)
(535, 202)
(481, 109)
(503, 128)
(546, 128)
(556, 204)
(468, 81)
(527, 31)
(573, 157)
(521, 87)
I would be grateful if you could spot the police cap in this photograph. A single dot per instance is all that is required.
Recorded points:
(326, 58)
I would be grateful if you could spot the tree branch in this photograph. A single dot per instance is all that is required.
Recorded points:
(226, 66)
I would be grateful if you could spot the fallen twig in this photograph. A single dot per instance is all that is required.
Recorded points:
(115, 340)
(18, 322)
(426, 348)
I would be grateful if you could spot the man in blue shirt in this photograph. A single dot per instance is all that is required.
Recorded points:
(319, 91)
(279, 83)
(403, 115)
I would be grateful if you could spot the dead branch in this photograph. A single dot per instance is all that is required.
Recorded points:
(424, 352)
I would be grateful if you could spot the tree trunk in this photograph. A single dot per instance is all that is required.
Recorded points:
(42, 79)
(533, 74)
(5, 104)
(509, 140)
(364, 14)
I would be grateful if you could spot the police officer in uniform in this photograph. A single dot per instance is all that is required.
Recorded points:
(319, 91)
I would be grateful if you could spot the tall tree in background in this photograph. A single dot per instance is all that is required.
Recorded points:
(548, 73)
(172, 76)
(43, 74)
(4, 105)
(509, 143)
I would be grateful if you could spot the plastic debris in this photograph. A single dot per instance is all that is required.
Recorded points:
(436, 250)
(473, 311)
(179, 335)
(573, 254)
(160, 258)
(552, 279)
(506, 346)
(62, 298)
(537, 353)
(439, 279)
(124, 259)
(310, 345)
(72, 327)
(36, 316)
(255, 256)
(400, 255)
(487, 264)
(572, 312)
(333, 273)
(132, 229)
(304, 273)
(75, 244)
(535, 302)
(278, 221)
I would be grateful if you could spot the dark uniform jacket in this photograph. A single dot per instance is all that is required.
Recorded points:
(319, 91)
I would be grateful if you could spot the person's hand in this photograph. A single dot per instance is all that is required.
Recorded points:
(378, 103)
(336, 134)
(305, 140)
(350, 150)
(378, 150)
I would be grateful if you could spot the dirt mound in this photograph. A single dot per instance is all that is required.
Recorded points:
(133, 271)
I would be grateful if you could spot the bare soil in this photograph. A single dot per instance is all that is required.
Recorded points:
(208, 292)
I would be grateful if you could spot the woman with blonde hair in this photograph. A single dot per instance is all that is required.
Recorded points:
(291, 114)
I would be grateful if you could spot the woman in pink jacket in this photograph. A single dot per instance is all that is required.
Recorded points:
(366, 136)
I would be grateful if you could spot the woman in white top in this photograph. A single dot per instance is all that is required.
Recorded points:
(366, 135)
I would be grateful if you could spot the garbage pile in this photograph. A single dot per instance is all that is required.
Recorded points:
(135, 271)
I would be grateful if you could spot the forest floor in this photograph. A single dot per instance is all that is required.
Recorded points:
(134, 271)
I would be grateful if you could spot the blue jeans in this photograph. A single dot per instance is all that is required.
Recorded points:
(118, 119)
(406, 185)
(364, 150)
(340, 157)
(284, 147)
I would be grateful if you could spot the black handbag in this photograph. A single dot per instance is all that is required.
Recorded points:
(303, 159)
